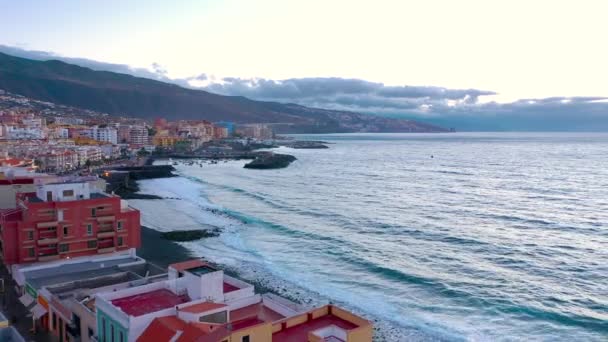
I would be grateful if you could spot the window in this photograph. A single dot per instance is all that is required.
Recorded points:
(91, 333)
(245, 338)
(68, 193)
(93, 212)
(92, 244)
(122, 337)
(89, 229)
(102, 333)
(31, 252)
(119, 225)
(64, 247)
(65, 231)
(120, 242)
(112, 332)
(30, 235)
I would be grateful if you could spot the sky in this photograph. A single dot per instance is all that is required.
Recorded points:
(401, 58)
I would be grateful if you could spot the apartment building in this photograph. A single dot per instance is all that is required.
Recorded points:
(66, 218)
(201, 303)
(106, 134)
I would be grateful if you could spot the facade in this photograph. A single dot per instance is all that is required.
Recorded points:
(133, 134)
(46, 287)
(220, 132)
(255, 131)
(165, 141)
(9, 188)
(66, 219)
(125, 315)
(200, 303)
(138, 135)
(106, 134)
(228, 125)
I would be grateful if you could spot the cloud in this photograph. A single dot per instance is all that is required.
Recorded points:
(459, 108)
(157, 72)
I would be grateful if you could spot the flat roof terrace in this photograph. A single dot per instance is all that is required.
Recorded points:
(300, 332)
(73, 272)
(144, 303)
(229, 288)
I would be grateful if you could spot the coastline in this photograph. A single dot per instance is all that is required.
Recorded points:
(163, 252)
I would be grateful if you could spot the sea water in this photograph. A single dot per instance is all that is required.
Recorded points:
(465, 236)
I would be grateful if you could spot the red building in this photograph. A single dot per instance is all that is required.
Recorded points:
(66, 219)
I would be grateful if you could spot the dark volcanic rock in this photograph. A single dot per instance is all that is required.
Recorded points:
(190, 235)
(301, 144)
(270, 161)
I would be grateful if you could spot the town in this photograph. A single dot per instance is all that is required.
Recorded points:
(56, 139)
(70, 269)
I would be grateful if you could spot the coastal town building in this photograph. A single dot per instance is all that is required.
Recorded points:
(229, 126)
(133, 134)
(201, 303)
(106, 134)
(66, 218)
(255, 131)
(45, 287)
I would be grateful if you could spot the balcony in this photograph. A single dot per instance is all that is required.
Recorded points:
(47, 241)
(106, 250)
(47, 224)
(108, 233)
(104, 218)
(48, 257)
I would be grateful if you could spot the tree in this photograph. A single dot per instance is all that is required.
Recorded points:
(142, 152)
(39, 164)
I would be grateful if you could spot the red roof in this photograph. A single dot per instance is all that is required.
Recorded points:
(141, 304)
(229, 288)
(196, 331)
(300, 332)
(16, 181)
(186, 265)
(162, 329)
(202, 307)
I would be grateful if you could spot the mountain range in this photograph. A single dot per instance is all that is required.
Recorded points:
(126, 95)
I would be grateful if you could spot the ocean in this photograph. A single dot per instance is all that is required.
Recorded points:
(460, 236)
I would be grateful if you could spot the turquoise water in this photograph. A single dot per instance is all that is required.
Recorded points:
(480, 236)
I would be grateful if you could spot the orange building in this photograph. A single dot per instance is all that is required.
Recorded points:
(165, 141)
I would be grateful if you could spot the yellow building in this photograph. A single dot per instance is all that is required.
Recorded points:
(165, 141)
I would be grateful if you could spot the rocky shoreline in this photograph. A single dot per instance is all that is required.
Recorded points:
(269, 160)
(161, 250)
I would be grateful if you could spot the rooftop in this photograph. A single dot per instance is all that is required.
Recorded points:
(229, 288)
(258, 310)
(63, 273)
(202, 270)
(162, 329)
(202, 307)
(300, 332)
(144, 303)
(187, 265)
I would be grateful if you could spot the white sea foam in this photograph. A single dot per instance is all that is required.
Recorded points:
(186, 207)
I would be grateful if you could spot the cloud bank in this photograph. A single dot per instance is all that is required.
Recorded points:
(457, 108)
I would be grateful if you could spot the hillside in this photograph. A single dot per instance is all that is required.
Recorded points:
(121, 94)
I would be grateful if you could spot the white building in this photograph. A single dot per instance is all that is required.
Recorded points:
(106, 134)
